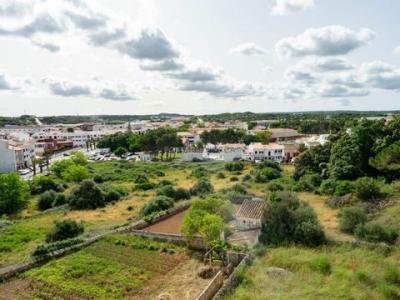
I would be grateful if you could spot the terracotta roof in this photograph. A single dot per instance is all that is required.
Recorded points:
(251, 208)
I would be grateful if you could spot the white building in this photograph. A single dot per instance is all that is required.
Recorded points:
(231, 152)
(249, 215)
(193, 155)
(189, 138)
(258, 151)
(15, 155)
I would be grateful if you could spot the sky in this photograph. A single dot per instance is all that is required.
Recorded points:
(82, 57)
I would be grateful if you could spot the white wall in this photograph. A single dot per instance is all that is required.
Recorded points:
(7, 158)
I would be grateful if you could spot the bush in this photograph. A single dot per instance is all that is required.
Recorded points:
(321, 264)
(200, 172)
(367, 188)
(87, 196)
(202, 187)
(246, 177)
(46, 200)
(64, 230)
(144, 186)
(288, 220)
(239, 189)
(266, 174)
(43, 252)
(164, 182)
(182, 194)
(75, 173)
(274, 186)
(159, 203)
(343, 187)
(308, 183)
(233, 178)
(41, 184)
(221, 175)
(328, 187)
(112, 195)
(392, 274)
(270, 164)
(373, 232)
(350, 218)
(234, 166)
(167, 191)
(98, 179)
(141, 178)
(60, 200)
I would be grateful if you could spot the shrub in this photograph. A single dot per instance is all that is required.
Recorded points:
(164, 182)
(246, 177)
(201, 188)
(234, 166)
(75, 173)
(141, 178)
(274, 186)
(288, 220)
(351, 217)
(266, 174)
(221, 175)
(112, 195)
(87, 196)
(234, 178)
(64, 230)
(270, 164)
(200, 172)
(60, 200)
(144, 186)
(373, 232)
(321, 264)
(46, 200)
(343, 187)
(167, 191)
(43, 252)
(98, 179)
(41, 184)
(182, 194)
(159, 203)
(392, 274)
(239, 189)
(308, 183)
(328, 186)
(13, 193)
(367, 188)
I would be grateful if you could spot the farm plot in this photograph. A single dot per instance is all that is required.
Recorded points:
(116, 267)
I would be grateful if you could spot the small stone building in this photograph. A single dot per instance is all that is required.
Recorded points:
(249, 214)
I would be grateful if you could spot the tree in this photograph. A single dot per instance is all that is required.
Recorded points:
(120, 151)
(41, 184)
(345, 161)
(367, 188)
(288, 220)
(75, 173)
(202, 187)
(264, 136)
(79, 158)
(387, 161)
(13, 193)
(63, 230)
(87, 196)
(60, 166)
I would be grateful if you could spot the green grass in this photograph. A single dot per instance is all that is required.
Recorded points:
(112, 268)
(332, 272)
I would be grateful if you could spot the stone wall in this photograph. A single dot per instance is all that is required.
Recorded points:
(212, 288)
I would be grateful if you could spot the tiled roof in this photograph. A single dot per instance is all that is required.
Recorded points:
(251, 208)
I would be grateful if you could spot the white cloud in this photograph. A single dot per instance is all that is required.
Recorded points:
(66, 88)
(380, 75)
(396, 51)
(267, 69)
(287, 7)
(249, 49)
(324, 41)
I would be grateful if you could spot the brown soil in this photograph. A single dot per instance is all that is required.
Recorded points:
(16, 289)
(169, 225)
(181, 283)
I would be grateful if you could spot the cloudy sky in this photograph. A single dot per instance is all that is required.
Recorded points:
(191, 56)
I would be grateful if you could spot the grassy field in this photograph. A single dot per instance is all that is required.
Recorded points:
(332, 272)
(117, 267)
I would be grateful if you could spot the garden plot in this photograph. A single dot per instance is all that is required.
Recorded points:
(117, 267)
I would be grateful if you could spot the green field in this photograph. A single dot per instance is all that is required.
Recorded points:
(115, 267)
(332, 272)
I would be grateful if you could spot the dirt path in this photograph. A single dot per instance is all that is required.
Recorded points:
(327, 216)
(169, 225)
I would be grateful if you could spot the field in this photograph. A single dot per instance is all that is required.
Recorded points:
(332, 272)
(116, 267)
